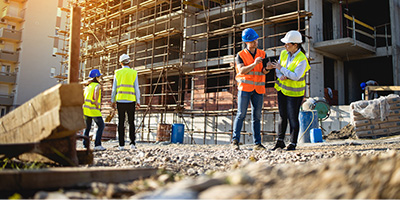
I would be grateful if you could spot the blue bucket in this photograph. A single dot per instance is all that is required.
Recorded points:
(316, 135)
(177, 133)
(308, 120)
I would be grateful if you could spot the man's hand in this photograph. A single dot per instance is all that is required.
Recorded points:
(113, 104)
(258, 60)
(137, 105)
(269, 66)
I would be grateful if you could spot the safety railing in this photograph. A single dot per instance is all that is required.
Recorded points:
(377, 36)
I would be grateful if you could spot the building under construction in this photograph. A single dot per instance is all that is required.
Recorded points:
(183, 50)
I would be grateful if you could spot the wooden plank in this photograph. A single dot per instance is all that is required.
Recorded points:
(55, 113)
(55, 178)
(383, 88)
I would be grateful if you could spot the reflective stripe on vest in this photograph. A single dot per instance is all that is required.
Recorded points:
(125, 84)
(290, 87)
(255, 79)
(89, 108)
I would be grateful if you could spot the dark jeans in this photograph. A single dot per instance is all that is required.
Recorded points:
(289, 108)
(100, 124)
(128, 108)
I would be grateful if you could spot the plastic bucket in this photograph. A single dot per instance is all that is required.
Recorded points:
(178, 131)
(316, 135)
(308, 120)
(163, 132)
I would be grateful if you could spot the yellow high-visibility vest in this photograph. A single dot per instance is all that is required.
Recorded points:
(89, 108)
(290, 87)
(125, 84)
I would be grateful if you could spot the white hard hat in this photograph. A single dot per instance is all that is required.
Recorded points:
(124, 58)
(292, 37)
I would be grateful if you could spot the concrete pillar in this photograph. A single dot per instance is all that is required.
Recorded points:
(336, 18)
(339, 80)
(394, 6)
(314, 26)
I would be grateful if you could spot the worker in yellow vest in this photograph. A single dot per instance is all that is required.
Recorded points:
(126, 96)
(290, 71)
(251, 67)
(91, 109)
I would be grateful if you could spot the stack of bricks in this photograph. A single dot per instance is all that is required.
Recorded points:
(373, 128)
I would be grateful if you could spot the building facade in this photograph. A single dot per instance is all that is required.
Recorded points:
(28, 62)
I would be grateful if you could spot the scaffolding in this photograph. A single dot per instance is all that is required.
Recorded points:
(183, 51)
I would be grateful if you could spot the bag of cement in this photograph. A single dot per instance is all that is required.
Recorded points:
(370, 109)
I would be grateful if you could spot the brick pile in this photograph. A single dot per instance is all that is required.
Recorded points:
(376, 118)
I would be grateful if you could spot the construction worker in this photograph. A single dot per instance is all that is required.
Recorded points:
(290, 85)
(371, 94)
(126, 95)
(251, 67)
(91, 109)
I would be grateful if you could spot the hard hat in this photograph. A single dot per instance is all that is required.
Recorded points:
(363, 85)
(292, 37)
(124, 58)
(249, 35)
(94, 73)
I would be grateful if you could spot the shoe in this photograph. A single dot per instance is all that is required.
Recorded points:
(235, 145)
(258, 147)
(133, 146)
(121, 148)
(99, 148)
(279, 144)
(291, 147)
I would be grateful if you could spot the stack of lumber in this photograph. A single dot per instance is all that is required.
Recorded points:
(49, 120)
(376, 118)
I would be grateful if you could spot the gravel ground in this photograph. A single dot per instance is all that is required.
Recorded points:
(333, 169)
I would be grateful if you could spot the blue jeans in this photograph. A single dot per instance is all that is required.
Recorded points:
(100, 127)
(256, 101)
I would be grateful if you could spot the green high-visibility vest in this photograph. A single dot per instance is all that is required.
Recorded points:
(89, 108)
(290, 87)
(125, 84)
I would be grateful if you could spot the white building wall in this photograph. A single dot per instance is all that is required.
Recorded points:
(36, 60)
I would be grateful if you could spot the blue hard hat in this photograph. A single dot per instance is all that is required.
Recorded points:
(94, 73)
(363, 85)
(249, 35)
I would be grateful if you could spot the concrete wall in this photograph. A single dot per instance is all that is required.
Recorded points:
(36, 58)
(315, 30)
(394, 6)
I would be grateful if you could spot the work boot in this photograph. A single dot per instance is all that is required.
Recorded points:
(235, 145)
(291, 147)
(258, 147)
(279, 144)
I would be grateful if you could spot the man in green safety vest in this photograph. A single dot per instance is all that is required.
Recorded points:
(125, 95)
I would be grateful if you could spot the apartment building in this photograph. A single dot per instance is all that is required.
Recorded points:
(182, 50)
(27, 59)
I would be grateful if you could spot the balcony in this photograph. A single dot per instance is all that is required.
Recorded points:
(361, 40)
(7, 77)
(10, 34)
(12, 16)
(6, 100)
(9, 56)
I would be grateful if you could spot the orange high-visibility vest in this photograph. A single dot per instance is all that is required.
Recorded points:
(255, 79)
